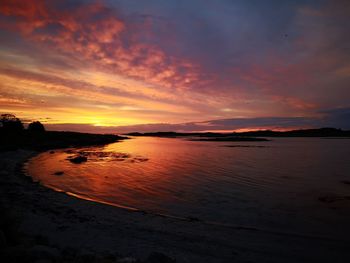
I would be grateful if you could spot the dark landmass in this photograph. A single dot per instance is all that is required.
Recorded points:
(41, 141)
(231, 139)
(333, 198)
(245, 146)
(322, 132)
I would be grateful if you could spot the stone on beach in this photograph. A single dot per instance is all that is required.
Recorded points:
(78, 159)
(58, 173)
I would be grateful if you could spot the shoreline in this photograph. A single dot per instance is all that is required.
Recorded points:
(56, 212)
(117, 234)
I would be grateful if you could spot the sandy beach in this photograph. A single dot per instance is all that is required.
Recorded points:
(61, 228)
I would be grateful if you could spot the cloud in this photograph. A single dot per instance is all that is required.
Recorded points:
(339, 118)
(95, 34)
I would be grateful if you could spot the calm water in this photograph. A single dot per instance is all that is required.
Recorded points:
(276, 187)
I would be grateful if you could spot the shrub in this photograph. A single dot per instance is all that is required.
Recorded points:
(10, 123)
(36, 126)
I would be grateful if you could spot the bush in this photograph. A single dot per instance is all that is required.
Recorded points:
(36, 126)
(10, 123)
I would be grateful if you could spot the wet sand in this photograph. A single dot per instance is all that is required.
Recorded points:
(79, 229)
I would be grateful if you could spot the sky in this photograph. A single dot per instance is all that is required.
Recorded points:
(186, 65)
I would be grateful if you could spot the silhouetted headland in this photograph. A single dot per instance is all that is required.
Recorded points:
(14, 136)
(230, 139)
(53, 139)
(321, 132)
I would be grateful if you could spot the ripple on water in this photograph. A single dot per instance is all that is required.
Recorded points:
(249, 183)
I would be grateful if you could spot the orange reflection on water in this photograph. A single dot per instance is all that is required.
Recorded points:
(142, 178)
(206, 180)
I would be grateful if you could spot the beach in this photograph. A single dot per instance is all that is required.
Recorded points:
(61, 228)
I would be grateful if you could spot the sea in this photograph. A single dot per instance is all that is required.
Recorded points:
(298, 186)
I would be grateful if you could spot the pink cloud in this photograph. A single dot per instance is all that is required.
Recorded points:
(95, 34)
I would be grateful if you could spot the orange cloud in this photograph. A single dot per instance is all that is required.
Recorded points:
(93, 32)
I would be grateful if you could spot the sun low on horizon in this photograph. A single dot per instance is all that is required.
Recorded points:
(175, 65)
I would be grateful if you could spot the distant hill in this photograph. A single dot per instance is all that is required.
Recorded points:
(322, 132)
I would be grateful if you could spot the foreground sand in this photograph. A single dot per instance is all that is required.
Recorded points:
(75, 230)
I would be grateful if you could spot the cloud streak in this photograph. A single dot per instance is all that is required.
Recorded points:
(330, 118)
(95, 34)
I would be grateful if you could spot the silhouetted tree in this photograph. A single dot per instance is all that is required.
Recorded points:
(10, 123)
(36, 126)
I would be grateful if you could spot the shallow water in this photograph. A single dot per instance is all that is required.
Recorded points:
(276, 187)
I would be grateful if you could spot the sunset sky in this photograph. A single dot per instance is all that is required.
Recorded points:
(186, 65)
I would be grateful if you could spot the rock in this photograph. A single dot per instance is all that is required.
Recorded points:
(58, 173)
(78, 159)
(157, 257)
(44, 252)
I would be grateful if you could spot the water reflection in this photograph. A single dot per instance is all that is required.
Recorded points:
(277, 186)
